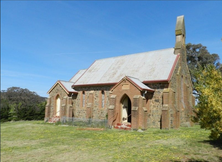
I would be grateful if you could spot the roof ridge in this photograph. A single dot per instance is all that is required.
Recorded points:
(134, 54)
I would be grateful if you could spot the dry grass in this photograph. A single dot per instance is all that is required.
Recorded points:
(37, 141)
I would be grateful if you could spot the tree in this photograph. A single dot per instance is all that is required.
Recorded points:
(21, 104)
(209, 94)
(198, 57)
(4, 109)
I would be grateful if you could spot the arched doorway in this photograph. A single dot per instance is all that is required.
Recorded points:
(58, 106)
(125, 109)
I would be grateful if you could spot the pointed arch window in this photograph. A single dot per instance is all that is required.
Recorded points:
(83, 99)
(102, 99)
(58, 103)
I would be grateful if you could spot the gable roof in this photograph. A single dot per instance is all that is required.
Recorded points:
(146, 66)
(66, 86)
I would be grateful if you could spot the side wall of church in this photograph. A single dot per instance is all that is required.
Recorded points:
(92, 101)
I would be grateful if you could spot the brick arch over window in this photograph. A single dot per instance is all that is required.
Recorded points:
(123, 97)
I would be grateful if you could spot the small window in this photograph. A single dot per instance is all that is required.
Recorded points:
(103, 99)
(83, 98)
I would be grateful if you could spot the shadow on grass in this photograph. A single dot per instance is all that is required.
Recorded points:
(214, 143)
(219, 158)
(193, 161)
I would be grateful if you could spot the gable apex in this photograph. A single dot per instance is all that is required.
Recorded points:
(135, 82)
(66, 86)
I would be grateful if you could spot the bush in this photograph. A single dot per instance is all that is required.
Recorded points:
(209, 107)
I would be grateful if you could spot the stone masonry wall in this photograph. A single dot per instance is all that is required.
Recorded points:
(186, 111)
(182, 85)
(175, 85)
(57, 90)
(97, 111)
(154, 115)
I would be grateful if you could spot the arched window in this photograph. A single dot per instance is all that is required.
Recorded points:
(58, 103)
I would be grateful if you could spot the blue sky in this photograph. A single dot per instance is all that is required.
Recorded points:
(46, 41)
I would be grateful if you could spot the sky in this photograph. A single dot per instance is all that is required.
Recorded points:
(46, 41)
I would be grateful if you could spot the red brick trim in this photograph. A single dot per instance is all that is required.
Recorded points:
(96, 84)
(155, 81)
(114, 83)
(173, 68)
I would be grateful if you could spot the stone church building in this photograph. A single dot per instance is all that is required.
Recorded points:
(149, 89)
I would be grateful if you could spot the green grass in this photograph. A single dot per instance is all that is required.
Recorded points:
(37, 141)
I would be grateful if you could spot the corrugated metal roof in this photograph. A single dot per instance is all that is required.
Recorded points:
(139, 83)
(68, 86)
(77, 75)
(147, 66)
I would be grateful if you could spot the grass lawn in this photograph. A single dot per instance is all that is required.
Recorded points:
(37, 141)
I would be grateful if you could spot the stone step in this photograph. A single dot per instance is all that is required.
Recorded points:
(123, 126)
